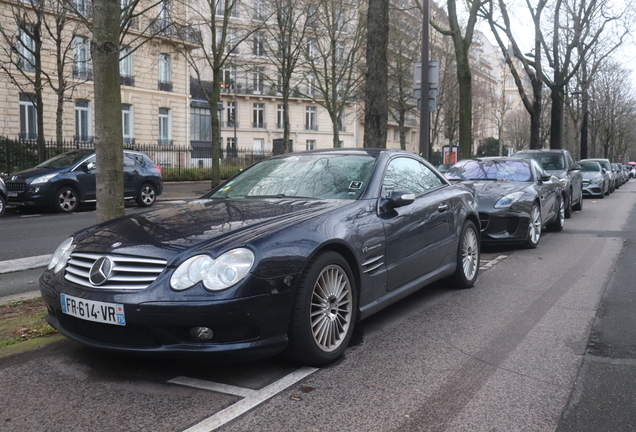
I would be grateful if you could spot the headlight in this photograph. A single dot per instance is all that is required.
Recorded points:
(509, 200)
(596, 181)
(43, 179)
(216, 274)
(61, 255)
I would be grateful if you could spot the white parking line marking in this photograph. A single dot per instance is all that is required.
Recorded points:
(212, 386)
(246, 404)
(20, 264)
(485, 265)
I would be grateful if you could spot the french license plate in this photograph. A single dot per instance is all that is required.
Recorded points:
(12, 194)
(107, 313)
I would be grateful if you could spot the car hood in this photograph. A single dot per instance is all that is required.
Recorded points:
(199, 225)
(31, 173)
(591, 175)
(489, 192)
(558, 173)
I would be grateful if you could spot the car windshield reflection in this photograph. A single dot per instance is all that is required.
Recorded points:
(512, 170)
(65, 160)
(325, 177)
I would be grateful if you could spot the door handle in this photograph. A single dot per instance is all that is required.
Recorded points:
(442, 207)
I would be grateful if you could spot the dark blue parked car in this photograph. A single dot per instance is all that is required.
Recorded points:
(3, 196)
(68, 179)
(287, 255)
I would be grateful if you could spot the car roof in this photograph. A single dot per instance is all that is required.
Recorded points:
(542, 151)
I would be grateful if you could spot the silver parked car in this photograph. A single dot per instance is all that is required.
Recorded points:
(595, 180)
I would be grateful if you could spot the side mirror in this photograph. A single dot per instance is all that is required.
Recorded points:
(545, 177)
(604, 170)
(90, 166)
(575, 167)
(397, 199)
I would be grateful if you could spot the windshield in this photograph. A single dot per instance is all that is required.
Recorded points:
(494, 169)
(590, 167)
(309, 176)
(65, 160)
(548, 161)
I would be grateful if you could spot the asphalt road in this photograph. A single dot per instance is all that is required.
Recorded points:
(543, 342)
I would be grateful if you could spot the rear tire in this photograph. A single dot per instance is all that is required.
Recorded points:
(467, 258)
(558, 222)
(324, 311)
(568, 206)
(146, 196)
(3, 205)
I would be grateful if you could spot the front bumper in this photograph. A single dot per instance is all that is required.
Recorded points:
(40, 195)
(244, 328)
(504, 226)
(593, 189)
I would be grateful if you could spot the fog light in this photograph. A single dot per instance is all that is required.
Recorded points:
(36, 190)
(201, 333)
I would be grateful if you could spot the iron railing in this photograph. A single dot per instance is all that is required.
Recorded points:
(177, 162)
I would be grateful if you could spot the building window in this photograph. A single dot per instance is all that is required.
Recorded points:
(258, 48)
(127, 123)
(231, 114)
(396, 135)
(311, 121)
(164, 126)
(511, 81)
(258, 80)
(311, 85)
(81, 58)
(82, 121)
(26, 49)
(231, 40)
(165, 72)
(258, 145)
(125, 67)
(412, 137)
(259, 10)
(229, 79)
(200, 124)
(312, 49)
(310, 145)
(82, 7)
(280, 117)
(28, 117)
(341, 125)
(258, 115)
(163, 17)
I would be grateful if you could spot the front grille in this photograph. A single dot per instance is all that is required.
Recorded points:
(16, 186)
(586, 182)
(128, 273)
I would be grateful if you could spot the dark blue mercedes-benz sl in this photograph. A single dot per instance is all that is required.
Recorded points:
(286, 256)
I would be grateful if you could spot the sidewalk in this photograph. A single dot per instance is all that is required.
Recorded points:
(184, 190)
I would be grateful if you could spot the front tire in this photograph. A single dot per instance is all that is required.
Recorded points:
(146, 196)
(568, 206)
(467, 258)
(3, 205)
(579, 206)
(323, 312)
(534, 228)
(66, 200)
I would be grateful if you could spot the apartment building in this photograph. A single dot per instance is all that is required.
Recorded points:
(155, 86)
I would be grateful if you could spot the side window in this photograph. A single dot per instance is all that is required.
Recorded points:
(569, 158)
(129, 160)
(406, 174)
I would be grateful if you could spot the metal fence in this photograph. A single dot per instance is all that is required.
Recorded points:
(177, 163)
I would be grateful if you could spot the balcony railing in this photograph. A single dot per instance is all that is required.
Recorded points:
(82, 73)
(259, 125)
(311, 127)
(127, 80)
(164, 142)
(82, 139)
(165, 86)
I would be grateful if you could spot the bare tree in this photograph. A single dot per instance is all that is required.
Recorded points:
(287, 48)
(332, 56)
(376, 108)
(496, 13)
(462, 45)
(23, 48)
(517, 130)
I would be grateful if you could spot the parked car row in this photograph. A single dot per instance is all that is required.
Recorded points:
(289, 254)
(68, 179)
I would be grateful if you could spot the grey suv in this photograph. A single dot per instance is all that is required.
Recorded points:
(560, 164)
(68, 179)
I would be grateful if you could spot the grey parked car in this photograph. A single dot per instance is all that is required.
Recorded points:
(595, 180)
(3, 196)
(607, 166)
(560, 164)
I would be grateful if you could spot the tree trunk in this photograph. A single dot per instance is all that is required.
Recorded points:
(556, 119)
(465, 110)
(39, 88)
(109, 143)
(376, 110)
(214, 97)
